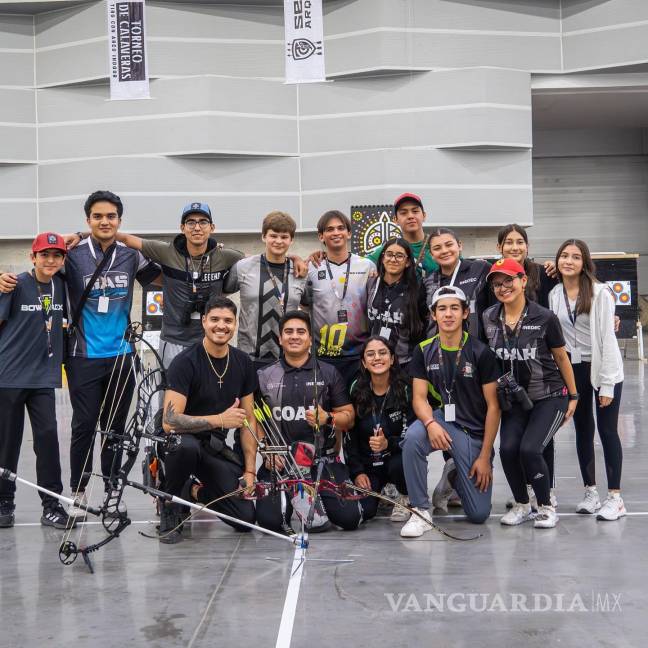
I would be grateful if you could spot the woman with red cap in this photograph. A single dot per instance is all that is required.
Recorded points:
(537, 392)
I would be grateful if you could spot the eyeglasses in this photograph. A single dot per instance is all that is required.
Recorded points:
(380, 353)
(192, 224)
(395, 256)
(505, 283)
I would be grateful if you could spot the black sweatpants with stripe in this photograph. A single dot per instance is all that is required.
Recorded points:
(523, 439)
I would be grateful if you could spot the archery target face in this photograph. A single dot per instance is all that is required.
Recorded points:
(154, 303)
(621, 290)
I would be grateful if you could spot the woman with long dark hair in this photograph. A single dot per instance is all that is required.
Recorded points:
(513, 243)
(396, 305)
(467, 274)
(585, 309)
(537, 393)
(382, 400)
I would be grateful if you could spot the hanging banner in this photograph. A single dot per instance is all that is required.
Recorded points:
(127, 50)
(371, 226)
(304, 29)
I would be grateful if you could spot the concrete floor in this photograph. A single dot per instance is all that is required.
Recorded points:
(218, 588)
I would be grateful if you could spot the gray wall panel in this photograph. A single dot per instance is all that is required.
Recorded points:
(585, 142)
(186, 176)
(606, 48)
(71, 25)
(17, 106)
(577, 14)
(17, 181)
(169, 96)
(71, 64)
(16, 32)
(444, 127)
(17, 143)
(18, 220)
(16, 69)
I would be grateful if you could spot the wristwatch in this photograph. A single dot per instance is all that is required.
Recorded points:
(573, 397)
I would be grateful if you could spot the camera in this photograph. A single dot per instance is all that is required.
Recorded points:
(509, 392)
(195, 305)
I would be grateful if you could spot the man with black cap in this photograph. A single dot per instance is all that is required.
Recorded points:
(31, 348)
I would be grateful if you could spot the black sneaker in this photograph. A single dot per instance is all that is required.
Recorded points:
(55, 516)
(170, 529)
(7, 517)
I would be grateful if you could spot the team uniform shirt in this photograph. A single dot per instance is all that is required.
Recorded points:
(292, 391)
(425, 262)
(100, 334)
(387, 314)
(394, 421)
(477, 366)
(339, 317)
(470, 276)
(530, 356)
(24, 350)
(188, 283)
(263, 302)
(577, 333)
(192, 374)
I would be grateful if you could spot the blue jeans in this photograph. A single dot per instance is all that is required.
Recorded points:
(465, 450)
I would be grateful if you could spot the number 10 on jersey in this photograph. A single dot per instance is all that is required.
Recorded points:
(332, 339)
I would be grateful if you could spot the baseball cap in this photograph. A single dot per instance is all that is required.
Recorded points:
(508, 267)
(48, 241)
(407, 197)
(196, 208)
(448, 291)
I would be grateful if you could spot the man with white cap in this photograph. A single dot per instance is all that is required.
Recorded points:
(460, 373)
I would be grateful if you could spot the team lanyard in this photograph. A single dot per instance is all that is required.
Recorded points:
(112, 260)
(194, 275)
(455, 369)
(282, 298)
(377, 419)
(576, 353)
(47, 319)
(346, 279)
(516, 338)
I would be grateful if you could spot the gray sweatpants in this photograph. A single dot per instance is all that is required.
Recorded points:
(465, 449)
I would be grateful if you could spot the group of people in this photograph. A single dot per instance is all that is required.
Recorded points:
(366, 365)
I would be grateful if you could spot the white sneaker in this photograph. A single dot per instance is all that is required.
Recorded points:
(76, 512)
(415, 526)
(510, 502)
(613, 508)
(532, 498)
(552, 498)
(518, 514)
(443, 490)
(590, 502)
(546, 518)
(400, 514)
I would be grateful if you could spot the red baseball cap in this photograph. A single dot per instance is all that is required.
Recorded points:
(508, 267)
(48, 241)
(407, 197)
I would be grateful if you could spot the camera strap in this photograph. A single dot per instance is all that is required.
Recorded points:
(455, 369)
(516, 333)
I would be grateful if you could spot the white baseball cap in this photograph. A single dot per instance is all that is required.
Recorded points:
(448, 291)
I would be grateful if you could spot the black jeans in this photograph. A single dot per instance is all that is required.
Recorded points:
(41, 407)
(523, 438)
(606, 421)
(346, 514)
(218, 476)
(391, 472)
(101, 390)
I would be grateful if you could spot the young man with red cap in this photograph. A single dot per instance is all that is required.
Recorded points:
(408, 208)
(31, 348)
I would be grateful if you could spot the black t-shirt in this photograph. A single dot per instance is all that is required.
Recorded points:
(191, 375)
(533, 365)
(24, 357)
(394, 418)
(477, 366)
(387, 308)
(291, 391)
